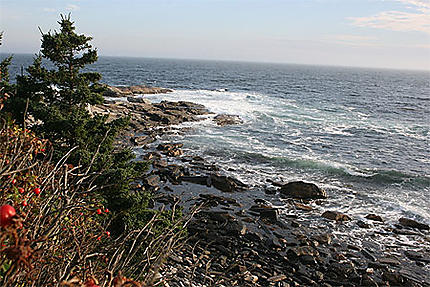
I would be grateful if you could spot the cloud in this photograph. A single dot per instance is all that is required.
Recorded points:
(353, 40)
(72, 7)
(418, 20)
(49, 10)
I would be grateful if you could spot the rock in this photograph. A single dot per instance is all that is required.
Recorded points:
(417, 256)
(389, 261)
(302, 206)
(124, 91)
(335, 215)
(202, 180)
(324, 238)
(138, 100)
(223, 120)
(151, 156)
(277, 278)
(301, 251)
(412, 223)
(161, 163)
(226, 183)
(250, 278)
(169, 146)
(302, 190)
(270, 214)
(374, 217)
(362, 224)
(142, 140)
(152, 181)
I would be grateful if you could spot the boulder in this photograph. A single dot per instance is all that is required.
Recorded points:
(202, 180)
(142, 140)
(335, 215)
(412, 223)
(223, 120)
(138, 100)
(226, 183)
(302, 190)
(374, 217)
(152, 181)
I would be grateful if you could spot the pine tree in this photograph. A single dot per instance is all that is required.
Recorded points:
(58, 98)
(5, 87)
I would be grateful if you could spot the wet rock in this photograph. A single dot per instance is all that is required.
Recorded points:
(335, 215)
(374, 217)
(226, 183)
(124, 91)
(142, 140)
(223, 120)
(161, 163)
(270, 214)
(302, 190)
(412, 223)
(362, 224)
(151, 156)
(324, 238)
(169, 146)
(138, 100)
(202, 180)
(394, 277)
(250, 278)
(296, 252)
(389, 261)
(302, 206)
(417, 256)
(152, 181)
(277, 278)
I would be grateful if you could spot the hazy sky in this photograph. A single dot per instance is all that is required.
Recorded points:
(369, 33)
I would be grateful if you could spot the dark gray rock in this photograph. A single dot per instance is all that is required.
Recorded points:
(374, 217)
(226, 183)
(138, 100)
(223, 120)
(302, 190)
(335, 215)
(412, 223)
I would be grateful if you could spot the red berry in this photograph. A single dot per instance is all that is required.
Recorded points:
(37, 191)
(107, 210)
(21, 190)
(42, 150)
(24, 203)
(108, 233)
(14, 181)
(7, 212)
(99, 211)
(99, 238)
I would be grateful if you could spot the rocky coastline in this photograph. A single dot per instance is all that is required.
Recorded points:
(239, 240)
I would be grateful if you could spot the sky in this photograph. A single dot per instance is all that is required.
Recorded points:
(364, 33)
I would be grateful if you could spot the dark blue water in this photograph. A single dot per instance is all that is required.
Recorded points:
(363, 134)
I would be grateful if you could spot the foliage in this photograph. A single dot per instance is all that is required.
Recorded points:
(77, 217)
(58, 100)
(5, 86)
(62, 231)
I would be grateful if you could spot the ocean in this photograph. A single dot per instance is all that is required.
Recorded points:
(361, 134)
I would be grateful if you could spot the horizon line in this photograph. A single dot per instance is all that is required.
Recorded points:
(249, 62)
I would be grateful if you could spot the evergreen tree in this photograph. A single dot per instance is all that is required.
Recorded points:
(58, 98)
(5, 87)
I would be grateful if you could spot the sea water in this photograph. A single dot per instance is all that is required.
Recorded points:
(361, 134)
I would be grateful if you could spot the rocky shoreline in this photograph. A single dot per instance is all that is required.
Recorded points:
(239, 240)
